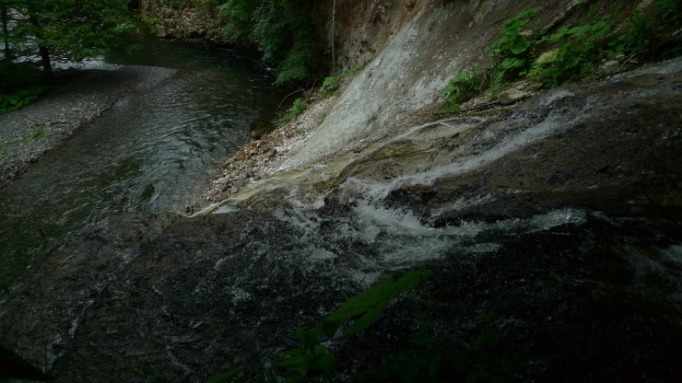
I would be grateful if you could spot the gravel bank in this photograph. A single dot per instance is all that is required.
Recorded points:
(76, 100)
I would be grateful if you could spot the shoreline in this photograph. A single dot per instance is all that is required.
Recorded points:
(78, 98)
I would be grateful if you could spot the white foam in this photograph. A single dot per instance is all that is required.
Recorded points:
(401, 238)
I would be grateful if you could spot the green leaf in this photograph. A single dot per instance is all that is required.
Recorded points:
(226, 377)
(511, 63)
(520, 45)
(326, 363)
(412, 279)
(330, 327)
(299, 361)
(309, 337)
(367, 319)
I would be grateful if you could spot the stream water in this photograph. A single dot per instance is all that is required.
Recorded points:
(153, 151)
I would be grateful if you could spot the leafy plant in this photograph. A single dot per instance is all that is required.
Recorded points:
(331, 84)
(464, 86)
(428, 357)
(357, 313)
(73, 29)
(365, 308)
(297, 108)
(15, 76)
(360, 312)
(571, 53)
(20, 98)
(512, 53)
(635, 39)
(281, 30)
(669, 10)
(578, 49)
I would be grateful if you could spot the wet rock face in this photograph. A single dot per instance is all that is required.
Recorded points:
(569, 293)
(185, 21)
(610, 145)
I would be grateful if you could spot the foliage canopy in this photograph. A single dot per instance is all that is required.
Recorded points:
(72, 29)
(281, 29)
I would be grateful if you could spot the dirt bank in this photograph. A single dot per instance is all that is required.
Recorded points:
(77, 98)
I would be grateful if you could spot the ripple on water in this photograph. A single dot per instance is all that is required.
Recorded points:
(153, 150)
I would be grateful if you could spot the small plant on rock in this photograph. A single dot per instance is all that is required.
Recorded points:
(331, 84)
(464, 86)
(512, 53)
(353, 316)
(578, 50)
(297, 108)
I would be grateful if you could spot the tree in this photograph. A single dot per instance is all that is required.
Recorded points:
(4, 15)
(73, 29)
(282, 30)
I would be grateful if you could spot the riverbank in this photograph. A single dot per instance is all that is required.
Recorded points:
(76, 99)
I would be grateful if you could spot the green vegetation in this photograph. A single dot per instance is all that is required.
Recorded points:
(205, 3)
(68, 28)
(464, 86)
(329, 87)
(296, 109)
(331, 84)
(354, 316)
(426, 356)
(571, 53)
(513, 52)
(281, 29)
(577, 53)
(19, 85)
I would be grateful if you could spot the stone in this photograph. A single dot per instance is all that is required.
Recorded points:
(511, 96)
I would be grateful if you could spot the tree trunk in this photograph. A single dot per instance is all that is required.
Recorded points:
(5, 33)
(44, 53)
(47, 63)
(333, 36)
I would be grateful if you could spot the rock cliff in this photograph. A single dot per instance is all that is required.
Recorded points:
(188, 20)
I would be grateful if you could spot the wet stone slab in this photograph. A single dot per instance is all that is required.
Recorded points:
(569, 292)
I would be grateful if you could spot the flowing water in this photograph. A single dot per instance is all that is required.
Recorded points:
(153, 151)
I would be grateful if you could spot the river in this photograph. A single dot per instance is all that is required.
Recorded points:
(153, 151)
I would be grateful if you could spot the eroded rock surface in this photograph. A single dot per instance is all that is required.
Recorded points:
(557, 218)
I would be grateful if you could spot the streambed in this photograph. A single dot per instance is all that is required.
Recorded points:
(155, 149)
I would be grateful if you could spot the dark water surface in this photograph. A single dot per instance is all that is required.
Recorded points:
(153, 151)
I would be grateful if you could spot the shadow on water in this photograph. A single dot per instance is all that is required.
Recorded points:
(153, 151)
